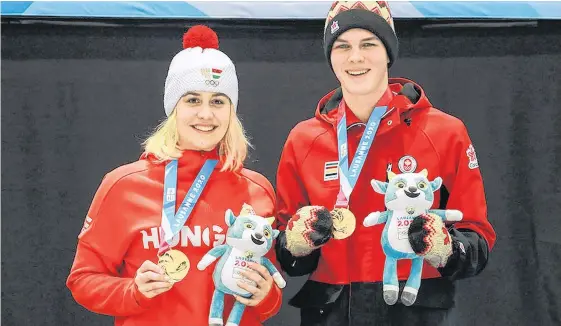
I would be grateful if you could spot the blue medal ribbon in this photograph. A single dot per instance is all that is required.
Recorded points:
(171, 222)
(349, 174)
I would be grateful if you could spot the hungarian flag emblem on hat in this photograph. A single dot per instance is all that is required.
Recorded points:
(211, 73)
(216, 73)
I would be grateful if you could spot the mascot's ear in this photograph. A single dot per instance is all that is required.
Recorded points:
(229, 217)
(424, 173)
(247, 210)
(275, 233)
(391, 175)
(436, 184)
(379, 186)
(270, 220)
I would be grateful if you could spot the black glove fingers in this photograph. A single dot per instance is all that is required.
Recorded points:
(417, 235)
(321, 226)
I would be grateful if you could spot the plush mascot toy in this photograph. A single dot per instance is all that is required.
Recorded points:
(248, 239)
(412, 230)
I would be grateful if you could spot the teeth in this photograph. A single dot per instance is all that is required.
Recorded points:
(203, 128)
(357, 72)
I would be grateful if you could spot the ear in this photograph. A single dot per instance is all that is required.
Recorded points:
(275, 233)
(379, 186)
(270, 220)
(424, 173)
(391, 175)
(247, 210)
(229, 217)
(436, 184)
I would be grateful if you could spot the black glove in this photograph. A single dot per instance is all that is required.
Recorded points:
(430, 238)
(310, 228)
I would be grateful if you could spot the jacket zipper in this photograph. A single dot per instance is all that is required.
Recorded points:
(350, 297)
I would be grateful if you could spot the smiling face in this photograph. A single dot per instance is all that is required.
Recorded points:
(410, 192)
(360, 62)
(251, 233)
(202, 120)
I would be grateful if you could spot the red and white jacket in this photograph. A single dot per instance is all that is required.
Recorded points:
(411, 137)
(121, 231)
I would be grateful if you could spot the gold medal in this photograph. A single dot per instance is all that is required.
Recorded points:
(344, 223)
(175, 264)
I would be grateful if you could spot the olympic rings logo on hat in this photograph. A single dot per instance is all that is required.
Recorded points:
(212, 83)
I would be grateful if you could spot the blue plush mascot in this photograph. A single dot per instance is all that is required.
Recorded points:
(408, 196)
(248, 239)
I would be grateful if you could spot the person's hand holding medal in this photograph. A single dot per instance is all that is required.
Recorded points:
(151, 280)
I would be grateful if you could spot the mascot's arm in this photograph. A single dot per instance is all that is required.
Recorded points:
(277, 277)
(448, 215)
(376, 218)
(211, 256)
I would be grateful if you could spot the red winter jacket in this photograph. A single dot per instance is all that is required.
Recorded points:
(411, 137)
(121, 231)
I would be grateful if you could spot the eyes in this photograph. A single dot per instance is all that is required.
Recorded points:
(250, 226)
(194, 101)
(344, 46)
(267, 234)
(421, 185)
(217, 101)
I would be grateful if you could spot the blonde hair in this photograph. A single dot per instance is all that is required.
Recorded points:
(233, 148)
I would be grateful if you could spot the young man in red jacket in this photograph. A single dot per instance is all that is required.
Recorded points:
(410, 135)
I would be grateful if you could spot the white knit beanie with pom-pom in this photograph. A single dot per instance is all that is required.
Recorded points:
(200, 67)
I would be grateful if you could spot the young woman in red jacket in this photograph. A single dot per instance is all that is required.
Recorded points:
(192, 163)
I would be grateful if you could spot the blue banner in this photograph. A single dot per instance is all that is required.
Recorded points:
(276, 9)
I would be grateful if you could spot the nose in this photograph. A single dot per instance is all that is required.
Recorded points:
(356, 55)
(205, 112)
(412, 189)
(258, 236)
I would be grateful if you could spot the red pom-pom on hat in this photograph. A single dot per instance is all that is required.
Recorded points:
(202, 36)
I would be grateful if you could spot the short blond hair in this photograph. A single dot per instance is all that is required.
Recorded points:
(233, 148)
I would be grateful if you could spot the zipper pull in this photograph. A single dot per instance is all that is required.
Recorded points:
(388, 169)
